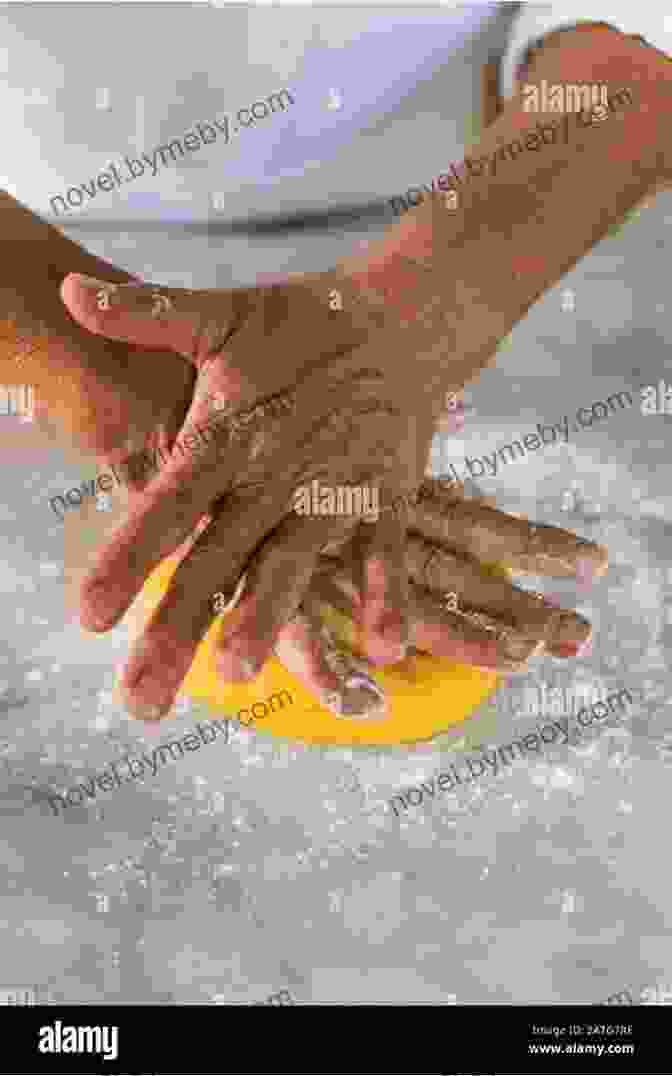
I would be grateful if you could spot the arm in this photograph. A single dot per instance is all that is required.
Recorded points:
(460, 302)
(41, 345)
(517, 231)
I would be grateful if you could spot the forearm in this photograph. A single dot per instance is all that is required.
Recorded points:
(470, 274)
(34, 259)
(42, 346)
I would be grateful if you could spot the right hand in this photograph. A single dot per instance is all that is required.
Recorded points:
(451, 540)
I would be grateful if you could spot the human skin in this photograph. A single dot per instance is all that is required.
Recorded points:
(101, 394)
(106, 397)
(489, 622)
(42, 346)
(433, 299)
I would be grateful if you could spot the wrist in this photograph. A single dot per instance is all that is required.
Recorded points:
(394, 299)
(408, 278)
(35, 258)
(395, 275)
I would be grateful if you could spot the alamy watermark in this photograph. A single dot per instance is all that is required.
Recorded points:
(565, 97)
(497, 759)
(663, 398)
(320, 500)
(59, 1039)
(528, 141)
(18, 401)
(23, 995)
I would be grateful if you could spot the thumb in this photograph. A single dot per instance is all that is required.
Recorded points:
(192, 323)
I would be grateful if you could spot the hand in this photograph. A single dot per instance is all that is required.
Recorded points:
(451, 541)
(98, 393)
(349, 424)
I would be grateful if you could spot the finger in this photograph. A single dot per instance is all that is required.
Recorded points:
(189, 322)
(160, 519)
(258, 441)
(480, 639)
(195, 324)
(473, 590)
(202, 324)
(277, 579)
(461, 586)
(488, 535)
(307, 649)
(435, 629)
(201, 464)
(137, 462)
(214, 564)
(384, 611)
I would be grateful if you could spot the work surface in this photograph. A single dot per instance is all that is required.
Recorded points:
(260, 865)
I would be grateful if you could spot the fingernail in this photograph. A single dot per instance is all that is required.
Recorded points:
(594, 565)
(360, 698)
(93, 282)
(92, 624)
(567, 632)
(144, 711)
(95, 620)
(585, 572)
(150, 693)
(100, 606)
(566, 650)
(359, 695)
(586, 647)
(236, 663)
(520, 650)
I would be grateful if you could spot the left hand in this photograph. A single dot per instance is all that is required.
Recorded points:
(361, 416)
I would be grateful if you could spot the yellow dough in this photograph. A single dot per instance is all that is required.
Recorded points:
(426, 695)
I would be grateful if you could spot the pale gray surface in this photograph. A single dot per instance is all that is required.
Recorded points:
(262, 865)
